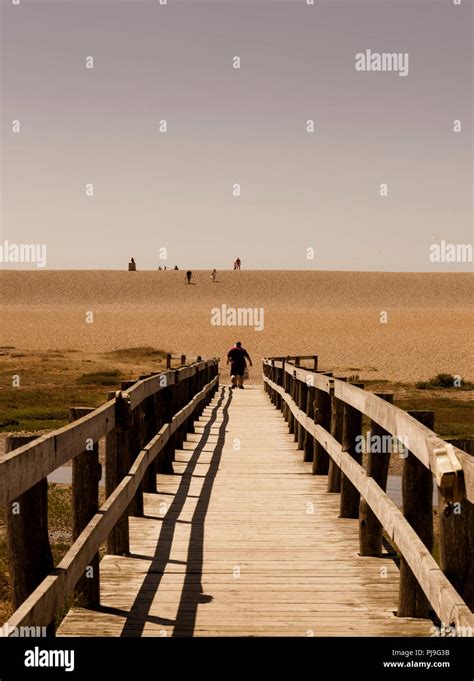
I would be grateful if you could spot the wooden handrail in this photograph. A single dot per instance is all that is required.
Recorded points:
(425, 444)
(445, 600)
(27, 465)
(40, 607)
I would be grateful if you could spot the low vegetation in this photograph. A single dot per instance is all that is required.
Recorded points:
(144, 352)
(100, 378)
(37, 389)
(445, 381)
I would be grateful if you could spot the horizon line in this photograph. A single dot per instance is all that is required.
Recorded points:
(262, 269)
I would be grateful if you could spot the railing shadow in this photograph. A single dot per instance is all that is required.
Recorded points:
(192, 594)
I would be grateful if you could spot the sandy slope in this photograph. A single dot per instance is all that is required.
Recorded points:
(333, 314)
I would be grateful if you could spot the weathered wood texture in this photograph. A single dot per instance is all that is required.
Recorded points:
(29, 552)
(443, 597)
(378, 461)
(243, 540)
(41, 605)
(421, 441)
(417, 497)
(86, 473)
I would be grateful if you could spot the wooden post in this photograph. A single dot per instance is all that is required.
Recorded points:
(165, 406)
(296, 400)
(291, 392)
(272, 378)
(308, 445)
(302, 399)
(284, 405)
(322, 417)
(118, 542)
(191, 391)
(378, 461)
(183, 360)
(207, 374)
(168, 361)
(184, 393)
(351, 428)
(315, 361)
(150, 429)
(456, 538)
(337, 420)
(417, 496)
(132, 439)
(178, 402)
(203, 378)
(29, 553)
(294, 395)
(281, 401)
(278, 399)
(86, 474)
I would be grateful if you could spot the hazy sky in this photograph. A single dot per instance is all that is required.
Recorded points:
(174, 190)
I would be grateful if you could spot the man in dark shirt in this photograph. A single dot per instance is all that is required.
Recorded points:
(236, 357)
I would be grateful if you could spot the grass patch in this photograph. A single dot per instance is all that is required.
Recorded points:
(60, 532)
(50, 384)
(5, 591)
(142, 352)
(19, 410)
(60, 508)
(100, 378)
(453, 418)
(447, 381)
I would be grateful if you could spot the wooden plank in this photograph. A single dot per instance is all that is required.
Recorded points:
(40, 607)
(419, 439)
(86, 473)
(337, 423)
(447, 603)
(31, 463)
(378, 462)
(417, 497)
(29, 552)
(316, 379)
(257, 509)
(322, 416)
(150, 386)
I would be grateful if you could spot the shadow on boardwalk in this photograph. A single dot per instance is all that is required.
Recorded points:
(192, 593)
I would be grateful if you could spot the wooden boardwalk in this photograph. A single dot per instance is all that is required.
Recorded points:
(243, 540)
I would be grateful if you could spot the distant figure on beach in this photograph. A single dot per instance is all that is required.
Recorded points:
(237, 357)
(132, 267)
(188, 276)
(176, 267)
(164, 267)
(214, 276)
(237, 264)
(159, 267)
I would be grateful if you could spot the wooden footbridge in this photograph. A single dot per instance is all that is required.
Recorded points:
(243, 513)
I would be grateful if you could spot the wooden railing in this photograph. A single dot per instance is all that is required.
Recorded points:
(142, 425)
(325, 414)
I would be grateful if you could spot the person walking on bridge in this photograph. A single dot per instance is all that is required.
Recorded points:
(237, 357)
